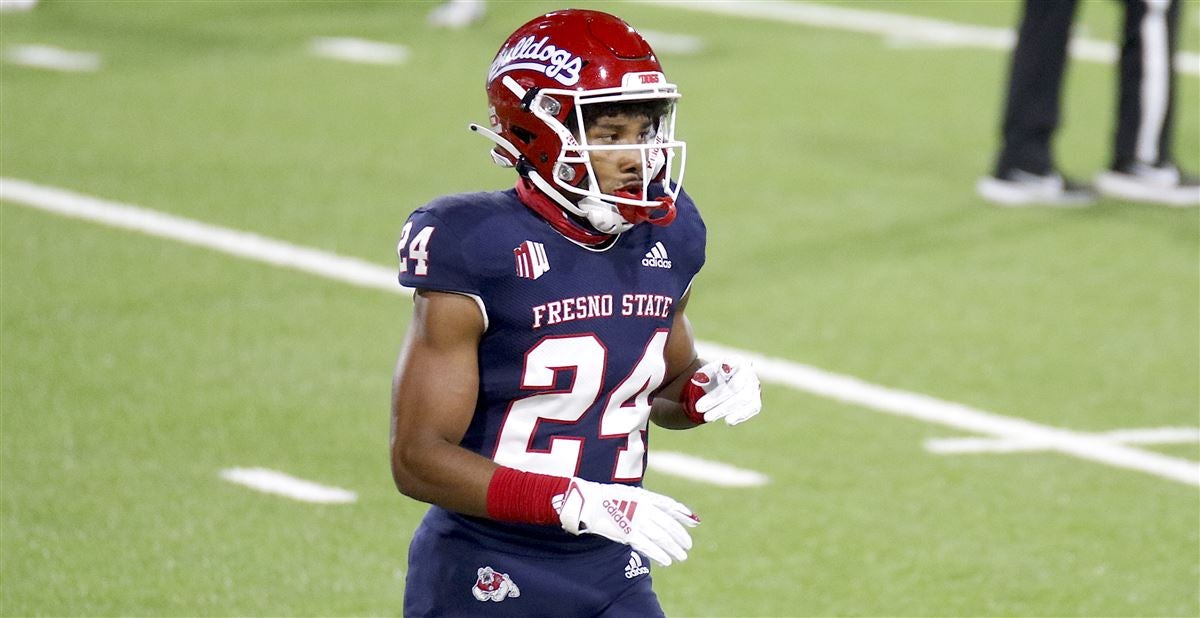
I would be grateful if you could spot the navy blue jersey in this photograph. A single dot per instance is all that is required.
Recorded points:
(574, 338)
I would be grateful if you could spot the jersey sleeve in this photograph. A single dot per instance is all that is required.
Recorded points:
(432, 256)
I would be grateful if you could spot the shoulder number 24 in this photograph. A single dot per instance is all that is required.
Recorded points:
(418, 249)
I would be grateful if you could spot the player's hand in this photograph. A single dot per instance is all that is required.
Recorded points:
(648, 522)
(730, 390)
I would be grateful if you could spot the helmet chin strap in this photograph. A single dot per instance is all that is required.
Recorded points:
(601, 215)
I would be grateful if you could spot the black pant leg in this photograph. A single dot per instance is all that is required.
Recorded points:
(1031, 113)
(1146, 89)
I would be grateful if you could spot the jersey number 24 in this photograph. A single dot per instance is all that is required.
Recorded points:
(625, 414)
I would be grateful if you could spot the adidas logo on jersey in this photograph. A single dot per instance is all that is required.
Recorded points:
(635, 566)
(656, 257)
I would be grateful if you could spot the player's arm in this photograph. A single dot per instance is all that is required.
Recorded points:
(433, 399)
(682, 362)
(696, 391)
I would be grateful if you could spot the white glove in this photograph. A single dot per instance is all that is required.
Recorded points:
(731, 391)
(648, 522)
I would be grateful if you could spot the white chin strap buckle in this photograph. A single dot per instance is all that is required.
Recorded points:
(604, 217)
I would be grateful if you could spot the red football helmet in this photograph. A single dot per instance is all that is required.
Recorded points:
(538, 85)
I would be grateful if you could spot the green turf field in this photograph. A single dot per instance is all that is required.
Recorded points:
(835, 171)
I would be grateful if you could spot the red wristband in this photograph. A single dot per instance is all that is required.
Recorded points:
(524, 497)
(691, 393)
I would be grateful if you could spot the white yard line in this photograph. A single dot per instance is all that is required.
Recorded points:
(17, 5)
(899, 27)
(672, 43)
(703, 470)
(361, 51)
(801, 377)
(935, 411)
(1157, 435)
(280, 484)
(52, 58)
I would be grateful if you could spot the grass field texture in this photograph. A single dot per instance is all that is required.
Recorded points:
(835, 171)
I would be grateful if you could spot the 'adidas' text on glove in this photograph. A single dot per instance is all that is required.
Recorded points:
(648, 522)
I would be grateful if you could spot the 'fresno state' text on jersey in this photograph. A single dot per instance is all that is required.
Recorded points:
(574, 339)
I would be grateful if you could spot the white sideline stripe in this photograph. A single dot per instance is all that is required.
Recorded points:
(1158, 435)
(362, 51)
(53, 58)
(899, 27)
(786, 373)
(704, 470)
(278, 483)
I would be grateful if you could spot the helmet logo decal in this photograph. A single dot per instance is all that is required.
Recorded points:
(494, 119)
(557, 64)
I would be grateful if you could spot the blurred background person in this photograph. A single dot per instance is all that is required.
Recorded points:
(1142, 168)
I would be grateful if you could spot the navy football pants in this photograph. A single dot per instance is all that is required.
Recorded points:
(454, 571)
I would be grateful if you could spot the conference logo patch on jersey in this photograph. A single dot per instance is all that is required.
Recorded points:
(538, 55)
(493, 586)
(656, 257)
(531, 260)
(636, 566)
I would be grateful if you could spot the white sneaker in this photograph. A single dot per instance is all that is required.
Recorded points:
(1155, 185)
(1020, 189)
(457, 14)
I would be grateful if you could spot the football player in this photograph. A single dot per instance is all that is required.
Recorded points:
(548, 330)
